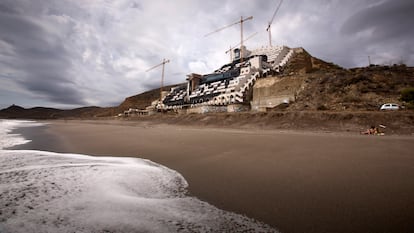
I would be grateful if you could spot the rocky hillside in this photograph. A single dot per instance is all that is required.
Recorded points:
(329, 87)
(139, 101)
(18, 112)
(142, 100)
(355, 89)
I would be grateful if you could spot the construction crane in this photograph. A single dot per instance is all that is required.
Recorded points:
(269, 26)
(164, 61)
(231, 48)
(241, 21)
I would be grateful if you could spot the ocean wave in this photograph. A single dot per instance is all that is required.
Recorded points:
(7, 139)
(54, 192)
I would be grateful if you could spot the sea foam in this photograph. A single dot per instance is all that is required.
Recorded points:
(7, 139)
(52, 192)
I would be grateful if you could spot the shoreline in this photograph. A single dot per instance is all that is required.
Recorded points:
(295, 181)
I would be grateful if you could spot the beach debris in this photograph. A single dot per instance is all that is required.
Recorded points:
(373, 130)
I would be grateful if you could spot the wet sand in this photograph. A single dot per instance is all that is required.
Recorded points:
(294, 181)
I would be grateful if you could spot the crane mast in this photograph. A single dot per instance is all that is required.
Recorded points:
(269, 26)
(241, 21)
(164, 61)
(232, 47)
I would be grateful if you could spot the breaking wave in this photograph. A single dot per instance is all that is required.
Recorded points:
(53, 192)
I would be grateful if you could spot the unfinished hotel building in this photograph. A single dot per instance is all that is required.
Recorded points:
(228, 89)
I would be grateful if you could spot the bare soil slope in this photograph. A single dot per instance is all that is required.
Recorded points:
(330, 87)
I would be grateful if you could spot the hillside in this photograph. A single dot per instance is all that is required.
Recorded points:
(17, 112)
(325, 95)
(139, 101)
(142, 100)
(329, 87)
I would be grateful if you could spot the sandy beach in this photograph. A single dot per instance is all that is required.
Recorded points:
(294, 181)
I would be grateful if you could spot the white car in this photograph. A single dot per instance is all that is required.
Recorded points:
(390, 106)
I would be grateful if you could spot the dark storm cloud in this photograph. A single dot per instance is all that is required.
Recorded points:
(76, 52)
(39, 55)
(389, 20)
(136, 5)
(383, 30)
(57, 92)
(4, 8)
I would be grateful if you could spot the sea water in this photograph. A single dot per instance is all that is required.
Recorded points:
(53, 192)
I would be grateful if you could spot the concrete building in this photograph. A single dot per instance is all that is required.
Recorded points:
(229, 88)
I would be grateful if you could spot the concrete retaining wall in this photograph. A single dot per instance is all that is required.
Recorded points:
(237, 108)
(273, 91)
(207, 109)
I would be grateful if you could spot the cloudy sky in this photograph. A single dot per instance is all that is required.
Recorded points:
(71, 53)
